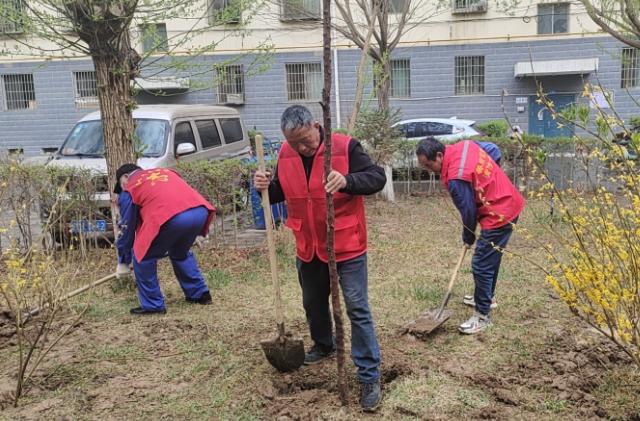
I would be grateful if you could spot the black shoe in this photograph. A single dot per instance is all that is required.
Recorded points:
(371, 396)
(317, 354)
(205, 299)
(140, 311)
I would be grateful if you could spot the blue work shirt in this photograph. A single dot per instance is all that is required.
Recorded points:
(464, 198)
(126, 227)
(492, 150)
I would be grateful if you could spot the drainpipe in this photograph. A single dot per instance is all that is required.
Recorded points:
(336, 82)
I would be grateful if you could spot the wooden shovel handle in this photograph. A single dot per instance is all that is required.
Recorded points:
(454, 275)
(75, 292)
(268, 220)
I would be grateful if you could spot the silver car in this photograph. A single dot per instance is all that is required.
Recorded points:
(446, 130)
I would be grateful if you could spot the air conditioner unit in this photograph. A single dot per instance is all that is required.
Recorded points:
(234, 99)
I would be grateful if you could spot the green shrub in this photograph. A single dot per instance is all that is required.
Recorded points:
(494, 128)
(375, 130)
(223, 183)
(341, 130)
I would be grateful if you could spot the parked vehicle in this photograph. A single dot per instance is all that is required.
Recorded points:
(164, 134)
(444, 129)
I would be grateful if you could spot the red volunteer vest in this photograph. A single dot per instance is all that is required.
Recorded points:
(161, 194)
(307, 207)
(498, 200)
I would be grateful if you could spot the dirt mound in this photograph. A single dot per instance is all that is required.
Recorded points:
(311, 392)
(569, 367)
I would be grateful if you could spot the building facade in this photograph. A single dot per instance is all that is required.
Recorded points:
(470, 60)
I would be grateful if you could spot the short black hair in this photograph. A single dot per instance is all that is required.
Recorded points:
(124, 169)
(429, 147)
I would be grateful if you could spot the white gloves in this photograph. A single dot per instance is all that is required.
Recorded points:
(201, 241)
(122, 270)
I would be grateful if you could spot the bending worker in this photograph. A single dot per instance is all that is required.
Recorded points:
(160, 215)
(300, 180)
(483, 194)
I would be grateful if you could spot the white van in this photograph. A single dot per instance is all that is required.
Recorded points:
(164, 135)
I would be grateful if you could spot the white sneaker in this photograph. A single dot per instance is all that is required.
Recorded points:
(476, 324)
(469, 301)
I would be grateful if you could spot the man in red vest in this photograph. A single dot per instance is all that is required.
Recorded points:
(483, 194)
(160, 215)
(300, 180)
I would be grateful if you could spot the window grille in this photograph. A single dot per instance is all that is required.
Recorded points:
(630, 77)
(299, 10)
(86, 89)
(231, 84)
(469, 75)
(304, 81)
(11, 17)
(469, 6)
(19, 92)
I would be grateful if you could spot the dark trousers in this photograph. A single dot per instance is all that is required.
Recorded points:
(486, 264)
(175, 239)
(314, 280)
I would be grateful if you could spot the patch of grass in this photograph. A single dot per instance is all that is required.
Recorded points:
(425, 293)
(121, 352)
(205, 362)
(555, 405)
(620, 389)
(433, 395)
(218, 278)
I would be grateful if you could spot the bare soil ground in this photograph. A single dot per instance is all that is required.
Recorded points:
(204, 362)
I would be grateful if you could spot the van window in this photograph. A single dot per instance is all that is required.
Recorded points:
(86, 138)
(208, 132)
(232, 129)
(184, 134)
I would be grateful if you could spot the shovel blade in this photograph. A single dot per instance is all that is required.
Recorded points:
(426, 323)
(284, 353)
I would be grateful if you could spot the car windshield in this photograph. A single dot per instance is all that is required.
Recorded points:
(86, 139)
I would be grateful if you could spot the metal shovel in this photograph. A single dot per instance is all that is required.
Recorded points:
(430, 320)
(283, 352)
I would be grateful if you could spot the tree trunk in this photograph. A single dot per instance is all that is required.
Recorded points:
(388, 192)
(113, 78)
(362, 70)
(116, 113)
(384, 85)
(333, 267)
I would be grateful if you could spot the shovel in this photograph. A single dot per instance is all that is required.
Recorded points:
(284, 352)
(430, 320)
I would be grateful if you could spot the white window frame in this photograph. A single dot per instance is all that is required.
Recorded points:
(218, 7)
(553, 7)
(162, 45)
